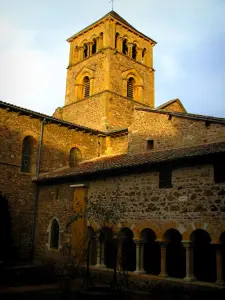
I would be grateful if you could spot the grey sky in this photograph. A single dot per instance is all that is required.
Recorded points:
(189, 58)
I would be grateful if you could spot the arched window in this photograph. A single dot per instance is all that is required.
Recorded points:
(54, 238)
(26, 154)
(86, 87)
(85, 50)
(75, 157)
(116, 40)
(94, 46)
(130, 88)
(134, 51)
(143, 55)
(125, 47)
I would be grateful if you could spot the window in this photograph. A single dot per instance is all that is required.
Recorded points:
(75, 157)
(150, 144)
(85, 50)
(116, 40)
(134, 51)
(219, 172)
(130, 88)
(94, 47)
(54, 239)
(143, 55)
(165, 179)
(125, 48)
(26, 154)
(86, 87)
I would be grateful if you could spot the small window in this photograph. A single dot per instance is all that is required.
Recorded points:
(86, 87)
(150, 144)
(116, 39)
(134, 51)
(75, 157)
(130, 88)
(165, 179)
(143, 55)
(94, 47)
(26, 154)
(219, 172)
(54, 241)
(85, 50)
(125, 47)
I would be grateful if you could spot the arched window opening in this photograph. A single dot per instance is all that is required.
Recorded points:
(130, 88)
(134, 51)
(85, 50)
(175, 254)
(75, 157)
(128, 250)
(116, 40)
(54, 240)
(204, 256)
(26, 154)
(86, 87)
(94, 46)
(125, 47)
(110, 251)
(143, 55)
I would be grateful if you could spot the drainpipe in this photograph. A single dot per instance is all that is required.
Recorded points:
(36, 191)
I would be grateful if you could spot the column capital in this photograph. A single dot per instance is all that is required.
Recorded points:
(162, 243)
(138, 241)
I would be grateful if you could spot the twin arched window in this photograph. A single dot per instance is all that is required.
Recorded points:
(75, 157)
(130, 87)
(27, 150)
(54, 235)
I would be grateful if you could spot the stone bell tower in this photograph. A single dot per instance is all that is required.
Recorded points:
(110, 71)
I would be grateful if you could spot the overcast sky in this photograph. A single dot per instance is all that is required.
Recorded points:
(189, 58)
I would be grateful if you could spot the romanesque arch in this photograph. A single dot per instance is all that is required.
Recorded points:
(139, 84)
(80, 83)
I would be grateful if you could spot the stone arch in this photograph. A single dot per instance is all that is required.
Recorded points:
(175, 225)
(96, 227)
(120, 226)
(49, 231)
(211, 230)
(79, 82)
(144, 225)
(139, 83)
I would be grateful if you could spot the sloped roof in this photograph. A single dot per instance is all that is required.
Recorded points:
(168, 103)
(129, 161)
(209, 119)
(115, 15)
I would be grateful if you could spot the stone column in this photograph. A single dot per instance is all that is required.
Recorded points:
(129, 45)
(163, 272)
(189, 262)
(98, 246)
(138, 248)
(139, 55)
(102, 255)
(219, 266)
(120, 44)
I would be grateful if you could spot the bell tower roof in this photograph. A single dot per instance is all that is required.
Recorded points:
(116, 16)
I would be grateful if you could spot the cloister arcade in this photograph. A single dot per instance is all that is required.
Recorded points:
(168, 255)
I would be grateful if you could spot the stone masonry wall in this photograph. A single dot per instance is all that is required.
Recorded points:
(120, 63)
(18, 186)
(172, 133)
(193, 202)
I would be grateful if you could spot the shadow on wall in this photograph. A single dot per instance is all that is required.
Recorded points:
(7, 252)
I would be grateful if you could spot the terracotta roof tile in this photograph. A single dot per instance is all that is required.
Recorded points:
(125, 161)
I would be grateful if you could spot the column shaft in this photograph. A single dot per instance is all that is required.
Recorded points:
(163, 272)
(189, 263)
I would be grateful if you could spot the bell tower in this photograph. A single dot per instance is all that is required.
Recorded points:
(110, 71)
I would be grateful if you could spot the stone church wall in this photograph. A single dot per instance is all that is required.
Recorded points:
(18, 186)
(170, 133)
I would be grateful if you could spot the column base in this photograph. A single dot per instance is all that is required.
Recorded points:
(100, 266)
(191, 278)
(139, 272)
(220, 282)
(164, 275)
